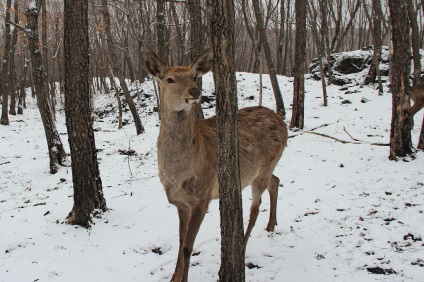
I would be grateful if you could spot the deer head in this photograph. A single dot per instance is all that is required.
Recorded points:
(178, 84)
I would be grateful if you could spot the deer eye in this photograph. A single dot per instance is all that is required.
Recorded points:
(195, 78)
(170, 80)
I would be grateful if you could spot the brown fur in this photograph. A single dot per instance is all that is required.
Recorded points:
(187, 154)
(417, 95)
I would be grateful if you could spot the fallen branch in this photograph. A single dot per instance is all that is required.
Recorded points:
(312, 129)
(344, 141)
(5, 163)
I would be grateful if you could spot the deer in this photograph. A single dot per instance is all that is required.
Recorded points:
(187, 152)
(417, 96)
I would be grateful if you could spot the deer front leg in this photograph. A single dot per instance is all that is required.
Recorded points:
(197, 214)
(184, 215)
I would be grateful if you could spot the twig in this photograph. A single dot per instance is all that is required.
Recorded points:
(375, 144)
(312, 129)
(8, 162)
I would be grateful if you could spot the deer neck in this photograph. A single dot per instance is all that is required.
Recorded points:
(175, 141)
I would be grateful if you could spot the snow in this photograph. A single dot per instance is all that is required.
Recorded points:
(344, 210)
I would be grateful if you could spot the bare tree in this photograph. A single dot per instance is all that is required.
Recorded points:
(270, 64)
(297, 119)
(117, 68)
(375, 22)
(400, 134)
(88, 193)
(56, 150)
(415, 39)
(5, 67)
(230, 204)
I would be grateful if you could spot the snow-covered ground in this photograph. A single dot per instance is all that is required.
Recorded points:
(345, 212)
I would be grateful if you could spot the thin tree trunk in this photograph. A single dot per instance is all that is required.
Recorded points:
(196, 42)
(415, 41)
(267, 50)
(118, 98)
(230, 204)
(12, 74)
(5, 68)
(117, 69)
(297, 120)
(22, 93)
(55, 147)
(400, 134)
(421, 138)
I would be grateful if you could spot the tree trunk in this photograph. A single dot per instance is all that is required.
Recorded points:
(325, 38)
(117, 69)
(22, 94)
(196, 42)
(5, 68)
(12, 73)
(297, 119)
(375, 27)
(415, 41)
(400, 134)
(421, 138)
(56, 151)
(267, 50)
(230, 204)
(88, 193)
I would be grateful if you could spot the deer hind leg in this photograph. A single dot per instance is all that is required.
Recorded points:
(258, 187)
(197, 215)
(414, 109)
(184, 215)
(273, 195)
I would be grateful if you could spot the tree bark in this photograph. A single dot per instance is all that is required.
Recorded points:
(230, 204)
(415, 39)
(267, 50)
(12, 72)
(88, 193)
(297, 120)
(421, 138)
(400, 134)
(56, 151)
(375, 27)
(196, 42)
(5, 68)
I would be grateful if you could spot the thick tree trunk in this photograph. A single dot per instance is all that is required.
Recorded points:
(88, 194)
(400, 134)
(56, 151)
(297, 120)
(267, 50)
(230, 204)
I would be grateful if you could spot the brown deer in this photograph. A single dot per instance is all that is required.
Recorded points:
(187, 152)
(417, 95)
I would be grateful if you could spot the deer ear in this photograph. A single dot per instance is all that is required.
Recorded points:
(203, 63)
(153, 64)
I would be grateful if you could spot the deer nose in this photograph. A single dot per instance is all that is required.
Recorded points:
(194, 92)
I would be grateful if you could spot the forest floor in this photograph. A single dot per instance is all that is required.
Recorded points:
(345, 212)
